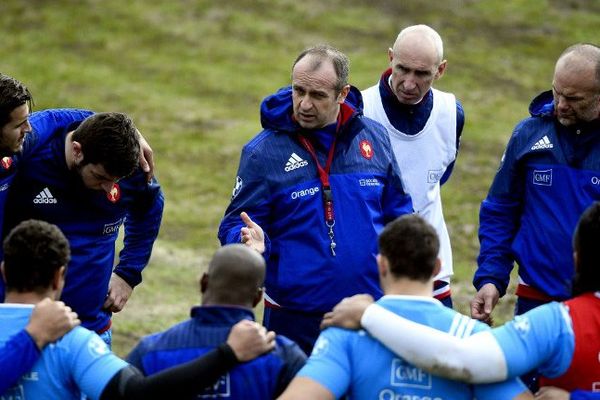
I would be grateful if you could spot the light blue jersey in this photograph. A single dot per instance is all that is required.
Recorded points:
(79, 362)
(541, 337)
(355, 363)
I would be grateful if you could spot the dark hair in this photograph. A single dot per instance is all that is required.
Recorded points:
(111, 140)
(13, 94)
(411, 246)
(340, 62)
(33, 252)
(585, 241)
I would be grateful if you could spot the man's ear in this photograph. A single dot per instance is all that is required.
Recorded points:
(440, 69)
(390, 54)
(438, 267)
(203, 283)
(77, 152)
(257, 297)
(3, 273)
(382, 265)
(58, 280)
(343, 93)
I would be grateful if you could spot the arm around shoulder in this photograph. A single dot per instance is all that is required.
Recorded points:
(476, 359)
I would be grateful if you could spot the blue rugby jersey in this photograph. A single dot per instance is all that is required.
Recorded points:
(541, 338)
(18, 353)
(78, 363)
(354, 363)
(549, 174)
(44, 124)
(44, 188)
(262, 378)
(278, 186)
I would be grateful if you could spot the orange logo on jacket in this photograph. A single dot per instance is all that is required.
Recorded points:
(366, 149)
(115, 193)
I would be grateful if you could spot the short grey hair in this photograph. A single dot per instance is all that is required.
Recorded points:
(340, 61)
(587, 51)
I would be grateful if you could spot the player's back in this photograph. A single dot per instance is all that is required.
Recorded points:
(79, 362)
(262, 378)
(355, 363)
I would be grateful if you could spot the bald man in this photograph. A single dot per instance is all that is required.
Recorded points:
(424, 125)
(230, 289)
(549, 174)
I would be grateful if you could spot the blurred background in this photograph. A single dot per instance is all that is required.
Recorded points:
(192, 74)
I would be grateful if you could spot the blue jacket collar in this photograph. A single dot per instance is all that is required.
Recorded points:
(221, 315)
(542, 105)
(276, 110)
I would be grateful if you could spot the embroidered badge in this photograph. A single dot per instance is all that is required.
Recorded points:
(366, 150)
(6, 162)
(115, 194)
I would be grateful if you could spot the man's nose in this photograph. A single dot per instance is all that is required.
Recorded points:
(410, 82)
(27, 127)
(562, 103)
(306, 103)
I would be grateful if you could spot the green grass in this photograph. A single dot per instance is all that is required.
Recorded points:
(192, 75)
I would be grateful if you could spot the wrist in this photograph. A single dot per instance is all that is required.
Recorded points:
(368, 315)
(39, 340)
(228, 354)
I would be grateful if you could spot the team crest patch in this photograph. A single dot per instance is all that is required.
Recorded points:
(6, 162)
(115, 193)
(237, 188)
(366, 150)
(97, 347)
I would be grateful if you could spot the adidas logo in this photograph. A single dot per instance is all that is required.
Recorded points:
(44, 197)
(295, 162)
(543, 143)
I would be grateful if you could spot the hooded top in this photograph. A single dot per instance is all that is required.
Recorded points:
(549, 174)
(279, 187)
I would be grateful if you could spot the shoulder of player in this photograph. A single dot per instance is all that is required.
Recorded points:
(80, 338)
(166, 338)
(264, 140)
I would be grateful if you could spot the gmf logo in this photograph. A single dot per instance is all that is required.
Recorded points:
(366, 150)
(115, 193)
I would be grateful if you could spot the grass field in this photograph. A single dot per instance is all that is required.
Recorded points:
(192, 75)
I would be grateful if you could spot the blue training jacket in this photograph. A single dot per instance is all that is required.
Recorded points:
(44, 188)
(262, 378)
(46, 122)
(549, 174)
(278, 186)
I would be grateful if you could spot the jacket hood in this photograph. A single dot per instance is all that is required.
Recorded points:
(542, 105)
(276, 110)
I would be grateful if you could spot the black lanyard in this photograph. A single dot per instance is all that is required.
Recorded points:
(324, 178)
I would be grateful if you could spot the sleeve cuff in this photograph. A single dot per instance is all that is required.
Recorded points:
(228, 355)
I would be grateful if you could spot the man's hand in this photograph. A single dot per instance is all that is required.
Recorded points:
(484, 302)
(249, 340)
(552, 393)
(146, 157)
(118, 294)
(348, 312)
(49, 321)
(252, 234)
